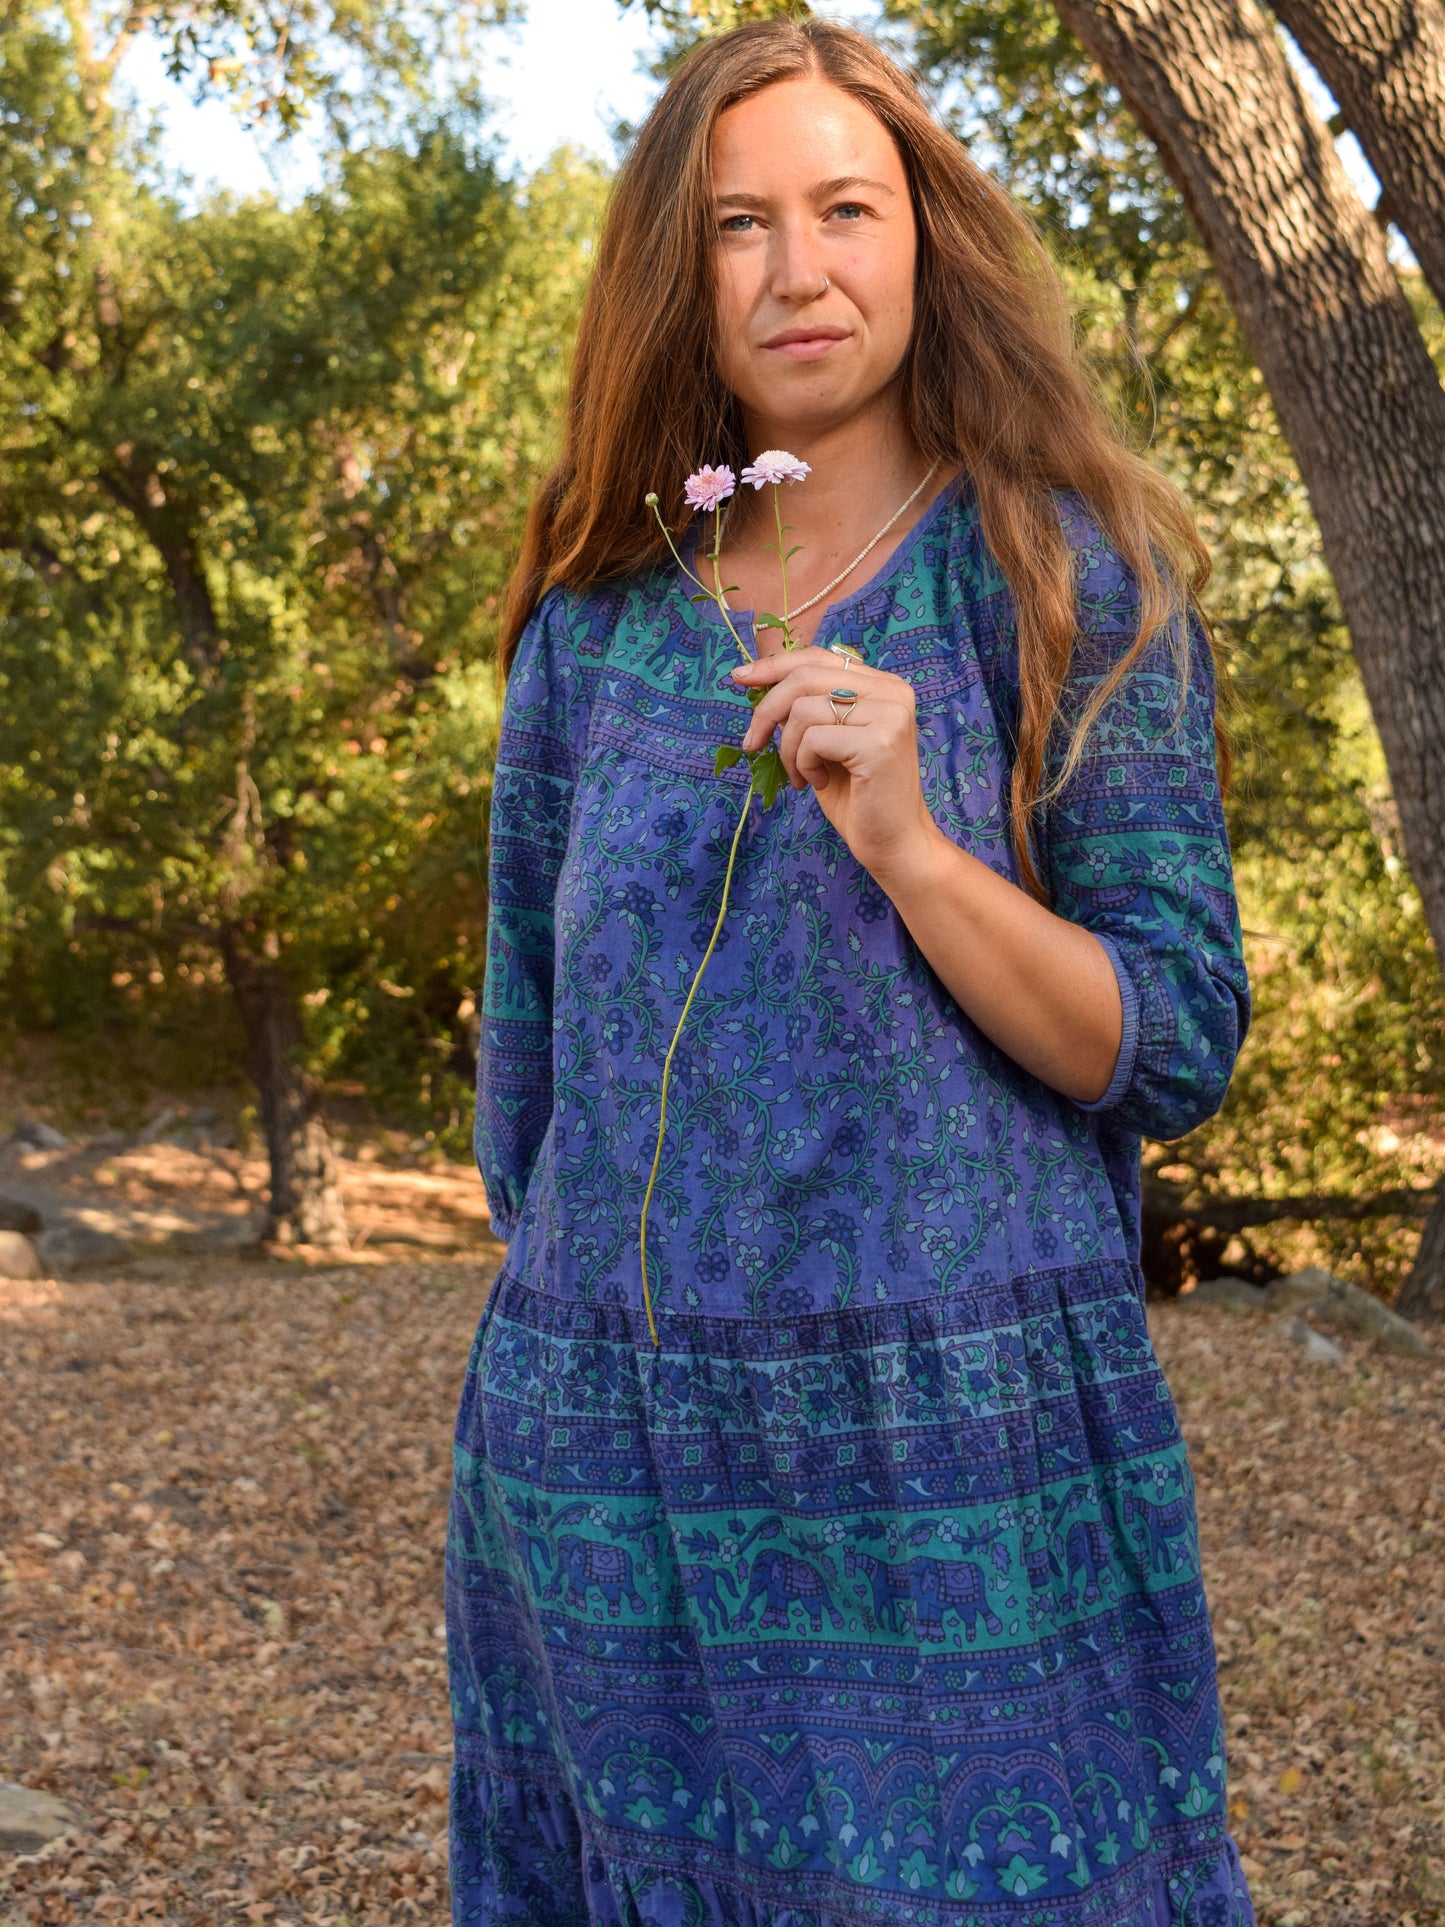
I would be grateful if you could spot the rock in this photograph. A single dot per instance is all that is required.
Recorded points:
(167, 1120)
(15, 1216)
(76, 1247)
(1344, 1307)
(1330, 1301)
(31, 1820)
(18, 1257)
(1235, 1294)
(1317, 1348)
(39, 1137)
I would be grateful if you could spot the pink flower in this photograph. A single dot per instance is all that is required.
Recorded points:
(775, 465)
(709, 487)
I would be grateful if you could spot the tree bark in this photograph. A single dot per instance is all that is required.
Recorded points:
(1354, 387)
(1184, 1235)
(305, 1202)
(1384, 62)
(1422, 1296)
(171, 537)
(1335, 339)
(1240, 1214)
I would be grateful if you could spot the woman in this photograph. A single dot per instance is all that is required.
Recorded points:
(870, 1593)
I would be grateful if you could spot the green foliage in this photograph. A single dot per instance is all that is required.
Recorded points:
(1342, 1079)
(685, 22)
(256, 513)
(262, 477)
(359, 60)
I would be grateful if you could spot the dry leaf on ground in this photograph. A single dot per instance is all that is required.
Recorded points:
(222, 1511)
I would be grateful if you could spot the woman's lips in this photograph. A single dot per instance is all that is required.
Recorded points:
(805, 347)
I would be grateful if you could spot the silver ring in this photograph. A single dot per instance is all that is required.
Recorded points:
(824, 289)
(849, 655)
(848, 698)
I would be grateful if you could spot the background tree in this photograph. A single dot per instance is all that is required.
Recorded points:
(1327, 320)
(258, 502)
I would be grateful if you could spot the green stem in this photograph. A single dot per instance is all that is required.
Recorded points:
(716, 592)
(782, 562)
(722, 911)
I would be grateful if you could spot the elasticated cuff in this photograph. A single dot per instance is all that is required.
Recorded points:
(1129, 1040)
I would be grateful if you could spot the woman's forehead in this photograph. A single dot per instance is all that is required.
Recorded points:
(803, 136)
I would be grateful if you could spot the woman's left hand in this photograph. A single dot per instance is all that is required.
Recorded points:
(864, 771)
(1041, 987)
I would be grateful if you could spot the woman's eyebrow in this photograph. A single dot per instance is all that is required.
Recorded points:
(842, 183)
(820, 191)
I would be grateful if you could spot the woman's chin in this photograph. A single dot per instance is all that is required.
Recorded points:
(799, 412)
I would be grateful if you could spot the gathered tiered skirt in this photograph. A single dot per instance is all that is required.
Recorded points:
(886, 1616)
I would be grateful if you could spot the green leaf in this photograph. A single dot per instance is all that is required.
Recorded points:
(769, 776)
(727, 755)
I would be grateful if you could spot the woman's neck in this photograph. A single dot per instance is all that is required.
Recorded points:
(862, 471)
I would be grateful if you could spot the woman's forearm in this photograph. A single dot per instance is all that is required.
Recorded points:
(1041, 988)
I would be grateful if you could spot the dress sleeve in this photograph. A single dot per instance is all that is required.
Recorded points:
(538, 756)
(1134, 849)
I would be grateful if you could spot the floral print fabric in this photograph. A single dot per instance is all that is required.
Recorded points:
(873, 1594)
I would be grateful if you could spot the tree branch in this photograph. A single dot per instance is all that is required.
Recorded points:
(1171, 1203)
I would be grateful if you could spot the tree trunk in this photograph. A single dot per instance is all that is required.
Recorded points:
(1352, 383)
(1422, 1296)
(1354, 387)
(305, 1202)
(1384, 62)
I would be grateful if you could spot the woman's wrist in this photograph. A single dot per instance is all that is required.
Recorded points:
(915, 868)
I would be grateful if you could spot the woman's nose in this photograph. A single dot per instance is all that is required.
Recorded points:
(797, 272)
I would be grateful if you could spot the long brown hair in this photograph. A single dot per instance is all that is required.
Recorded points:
(992, 384)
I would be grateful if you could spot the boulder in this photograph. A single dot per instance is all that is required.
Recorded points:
(1318, 1349)
(18, 1257)
(15, 1216)
(36, 1136)
(167, 1120)
(76, 1247)
(31, 1820)
(1330, 1301)
(1234, 1294)
(1336, 1303)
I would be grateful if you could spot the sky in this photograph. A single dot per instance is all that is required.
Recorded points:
(567, 73)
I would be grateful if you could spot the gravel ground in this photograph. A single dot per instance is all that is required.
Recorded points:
(222, 1495)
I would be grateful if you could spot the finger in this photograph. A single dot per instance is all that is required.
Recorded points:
(781, 662)
(812, 679)
(807, 712)
(824, 748)
(771, 668)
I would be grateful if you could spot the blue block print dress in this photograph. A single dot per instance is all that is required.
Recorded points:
(871, 1596)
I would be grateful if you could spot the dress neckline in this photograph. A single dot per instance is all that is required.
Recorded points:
(894, 561)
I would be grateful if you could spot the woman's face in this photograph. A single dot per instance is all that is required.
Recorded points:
(815, 248)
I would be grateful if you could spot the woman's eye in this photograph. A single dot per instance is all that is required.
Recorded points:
(738, 224)
(849, 211)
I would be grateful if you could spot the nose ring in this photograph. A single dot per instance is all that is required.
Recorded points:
(824, 289)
